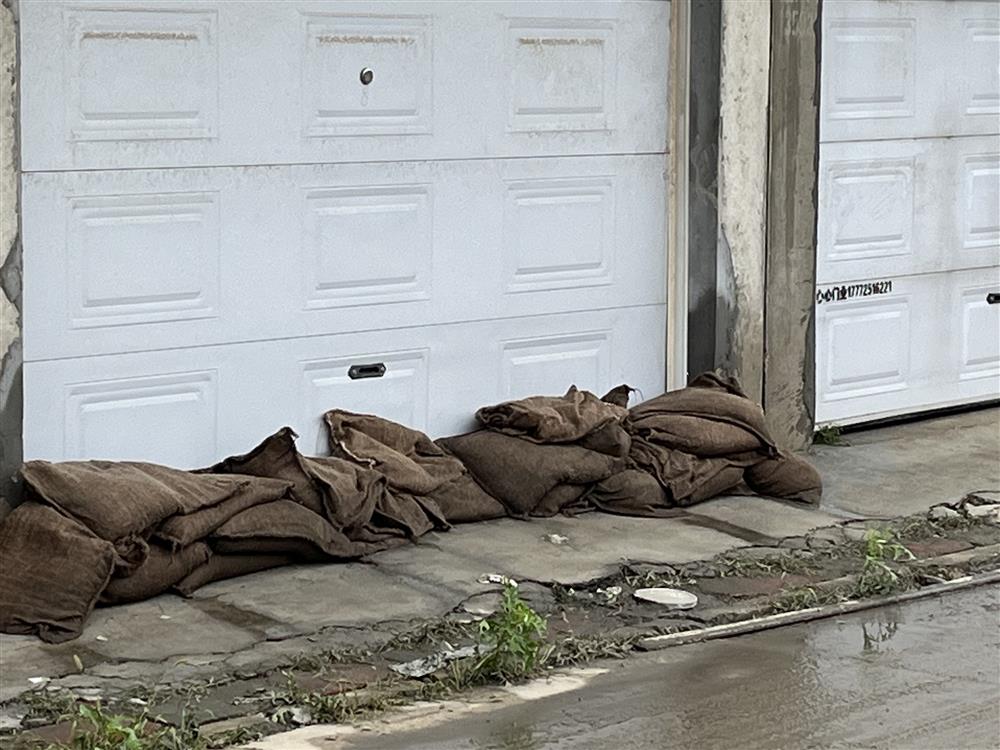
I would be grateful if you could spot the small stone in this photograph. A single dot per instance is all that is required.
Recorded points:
(557, 538)
(989, 512)
(941, 512)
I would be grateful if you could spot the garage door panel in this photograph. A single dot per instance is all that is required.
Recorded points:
(230, 83)
(915, 68)
(931, 341)
(190, 407)
(892, 208)
(977, 326)
(136, 260)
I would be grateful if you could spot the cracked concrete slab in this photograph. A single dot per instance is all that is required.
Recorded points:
(595, 544)
(158, 629)
(907, 468)
(315, 596)
(768, 517)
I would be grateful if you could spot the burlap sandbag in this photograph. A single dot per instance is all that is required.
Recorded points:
(52, 573)
(530, 478)
(220, 566)
(413, 465)
(632, 492)
(786, 476)
(278, 458)
(551, 419)
(115, 499)
(287, 528)
(184, 529)
(161, 570)
(711, 417)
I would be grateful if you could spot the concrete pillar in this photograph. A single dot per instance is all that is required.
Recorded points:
(789, 337)
(10, 267)
(743, 142)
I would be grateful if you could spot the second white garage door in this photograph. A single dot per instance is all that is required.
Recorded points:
(909, 208)
(227, 230)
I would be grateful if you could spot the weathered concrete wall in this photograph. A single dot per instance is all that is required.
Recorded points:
(743, 140)
(789, 339)
(10, 266)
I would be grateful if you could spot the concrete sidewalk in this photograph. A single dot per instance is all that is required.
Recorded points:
(256, 622)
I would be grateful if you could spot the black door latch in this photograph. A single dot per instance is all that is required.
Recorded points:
(993, 298)
(359, 372)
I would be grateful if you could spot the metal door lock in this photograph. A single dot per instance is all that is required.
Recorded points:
(993, 298)
(360, 372)
(367, 74)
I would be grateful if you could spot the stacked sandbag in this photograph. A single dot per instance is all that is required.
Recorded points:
(120, 531)
(703, 440)
(541, 455)
(421, 476)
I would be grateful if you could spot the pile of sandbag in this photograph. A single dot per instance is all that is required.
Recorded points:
(109, 532)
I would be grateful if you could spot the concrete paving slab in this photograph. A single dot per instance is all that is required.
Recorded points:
(23, 657)
(767, 517)
(595, 545)
(903, 469)
(158, 629)
(314, 596)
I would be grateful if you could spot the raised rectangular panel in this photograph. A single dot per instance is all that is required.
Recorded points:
(133, 259)
(981, 202)
(140, 74)
(172, 417)
(559, 233)
(400, 394)
(562, 74)
(870, 209)
(870, 64)
(981, 73)
(367, 245)
(867, 348)
(396, 48)
(550, 364)
(980, 332)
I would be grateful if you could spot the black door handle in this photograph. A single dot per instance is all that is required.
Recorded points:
(360, 372)
(993, 298)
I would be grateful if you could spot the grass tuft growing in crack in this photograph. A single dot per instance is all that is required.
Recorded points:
(878, 576)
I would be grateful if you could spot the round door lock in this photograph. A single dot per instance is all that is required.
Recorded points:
(366, 76)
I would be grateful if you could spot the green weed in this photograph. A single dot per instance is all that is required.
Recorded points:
(513, 638)
(829, 435)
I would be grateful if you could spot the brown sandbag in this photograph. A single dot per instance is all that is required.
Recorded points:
(219, 567)
(786, 476)
(287, 528)
(413, 465)
(551, 419)
(185, 529)
(530, 478)
(52, 573)
(277, 457)
(688, 479)
(711, 417)
(115, 499)
(632, 492)
(161, 570)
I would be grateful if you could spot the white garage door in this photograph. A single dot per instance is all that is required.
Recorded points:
(909, 217)
(237, 215)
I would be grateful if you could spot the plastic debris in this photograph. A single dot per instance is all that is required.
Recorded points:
(611, 593)
(38, 680)
(674, 598)
(430, 664)
(101, 638)
(497, 578)
(557, 538)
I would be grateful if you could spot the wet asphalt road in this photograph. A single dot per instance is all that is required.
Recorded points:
(920, 675)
